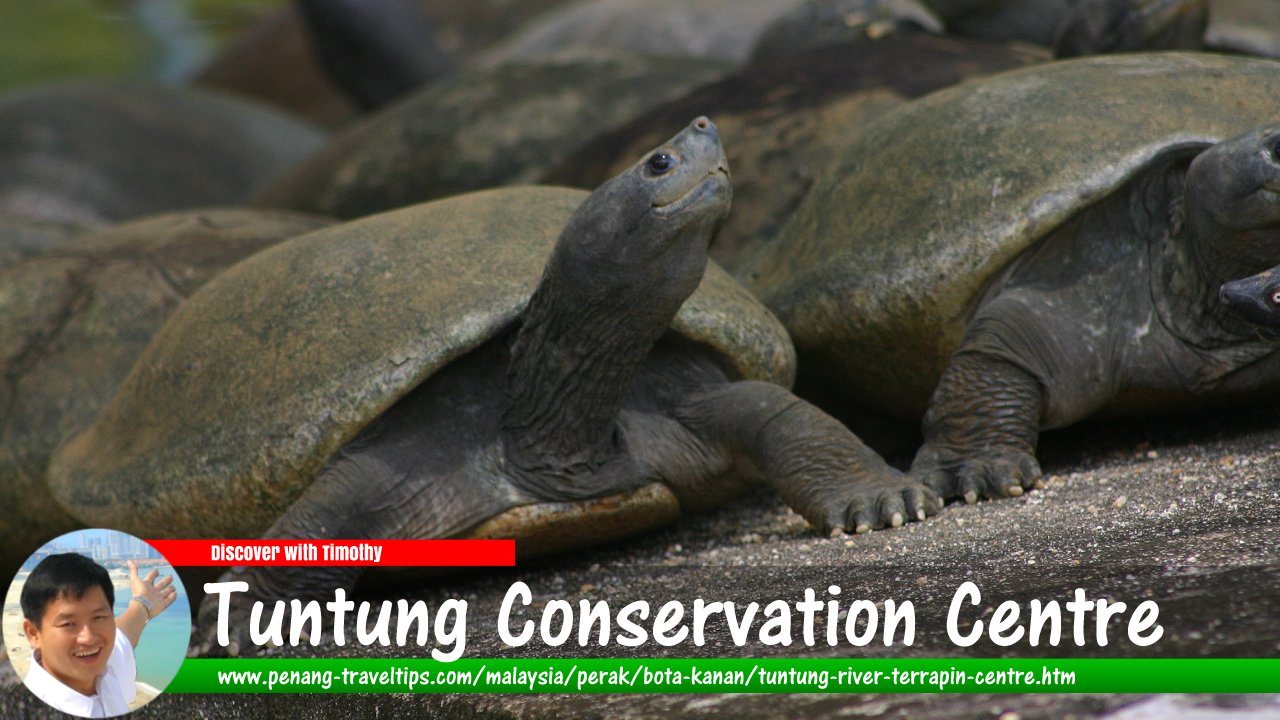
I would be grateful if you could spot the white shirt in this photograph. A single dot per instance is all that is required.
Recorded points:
(116, 685)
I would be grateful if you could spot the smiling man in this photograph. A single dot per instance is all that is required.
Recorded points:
(81, 664)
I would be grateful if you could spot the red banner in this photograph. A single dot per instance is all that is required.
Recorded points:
(386, 553)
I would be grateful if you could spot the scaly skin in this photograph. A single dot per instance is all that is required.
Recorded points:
(818, 467)
(990, 409)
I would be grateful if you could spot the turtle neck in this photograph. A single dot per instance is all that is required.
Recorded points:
(1190, 264)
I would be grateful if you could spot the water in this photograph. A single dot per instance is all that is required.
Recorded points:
(163, 644)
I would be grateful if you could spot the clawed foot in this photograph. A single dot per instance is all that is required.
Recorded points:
(206, 632)
(239, 615)
(1007, 473)
(879, 503)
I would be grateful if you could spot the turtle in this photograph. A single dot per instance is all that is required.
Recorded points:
(1256, 299)
(538, 363)
(1023, 251)
(784, 120)
(815, 23)
(1244, 26)
(99, 151)
(275, 61)
(1080, 27)
(483, 128)
(73, 318)
(705, 29)
(375, 52)
(21, 238)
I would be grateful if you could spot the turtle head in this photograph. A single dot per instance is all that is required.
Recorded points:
(1234, 187)
(628, 258)
(648, 228)
(1257, 300)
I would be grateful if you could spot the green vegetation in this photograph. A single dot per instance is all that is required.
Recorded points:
(46, 40)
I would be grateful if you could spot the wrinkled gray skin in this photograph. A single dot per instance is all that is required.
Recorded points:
(1037, 354)
(597, 398)
(1257, 300)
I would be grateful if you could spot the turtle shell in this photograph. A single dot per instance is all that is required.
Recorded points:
(877, 271)
(673, 28)
(498, 126)
(1244, 26)
(113, 150)
(21, 238)
(270, 368)
(785, 120)
(273, 60)
(75, 317)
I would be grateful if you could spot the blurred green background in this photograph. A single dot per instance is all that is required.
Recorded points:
(43, 40)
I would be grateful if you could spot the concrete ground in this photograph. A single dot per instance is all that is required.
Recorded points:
(1181, 512)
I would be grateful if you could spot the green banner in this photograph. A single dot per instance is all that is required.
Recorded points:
(732, 675)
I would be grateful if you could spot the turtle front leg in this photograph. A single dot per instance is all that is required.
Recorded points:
(1023, 365)
(820, 468)
(980, 430)
(336, 505)
(266, 585)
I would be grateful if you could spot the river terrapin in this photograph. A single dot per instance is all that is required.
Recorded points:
(784, 121)
(1244, 26)
(1053, 238)
(707, 29)
(275, 60)
(1080, 27)
(401, 377)
(375, 52)
(817, 23)
(1256, 299)
(107, 150)
(74, 318)
(21, 237)
(483, 128)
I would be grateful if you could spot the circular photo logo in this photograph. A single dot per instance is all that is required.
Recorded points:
(96, 623)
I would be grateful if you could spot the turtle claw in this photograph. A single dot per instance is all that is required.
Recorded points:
(1007, 474)
(884, 503)
(206, 631)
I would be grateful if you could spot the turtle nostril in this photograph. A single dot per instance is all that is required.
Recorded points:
(702, 123)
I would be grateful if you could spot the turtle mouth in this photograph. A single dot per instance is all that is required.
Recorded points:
(709, 185)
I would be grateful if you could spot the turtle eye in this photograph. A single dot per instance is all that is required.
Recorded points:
(1275, 150)
(660, 163)
(1274, 297)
